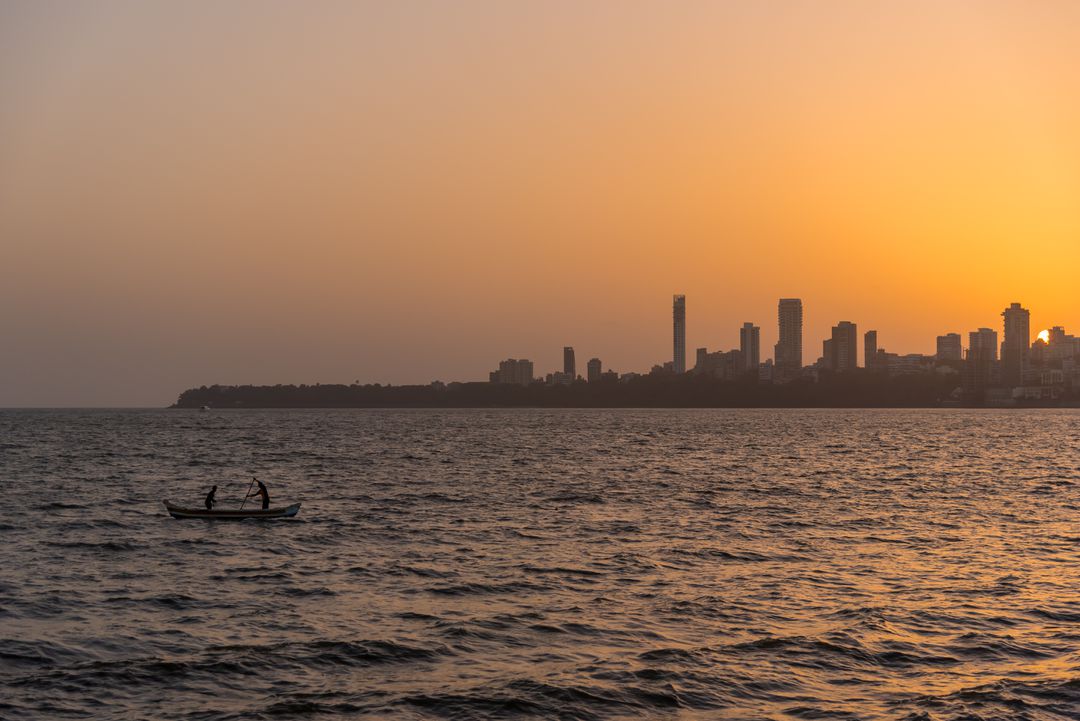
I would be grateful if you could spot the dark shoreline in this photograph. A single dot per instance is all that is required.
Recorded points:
(858, 390)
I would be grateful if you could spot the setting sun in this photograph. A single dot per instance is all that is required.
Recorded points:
(1044, 336)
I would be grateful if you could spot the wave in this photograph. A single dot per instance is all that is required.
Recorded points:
(401, 569)
(839, 653)
(96, 524)
(1003, 700)
(485, 589)
(546, 700)
(306, 592)
(109, 546)
(18, 655)
(990, 648)
(61, 505)
(577, 498)
(561, 571)
(61, 668)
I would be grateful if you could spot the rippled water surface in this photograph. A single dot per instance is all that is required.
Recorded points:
(558, 564)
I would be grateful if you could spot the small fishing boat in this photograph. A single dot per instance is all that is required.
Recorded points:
(285, 512)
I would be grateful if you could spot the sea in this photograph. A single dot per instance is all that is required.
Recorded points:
(901, 565)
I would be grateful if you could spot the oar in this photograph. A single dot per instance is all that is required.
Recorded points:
(247, 494)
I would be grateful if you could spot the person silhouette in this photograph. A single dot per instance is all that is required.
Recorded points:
(210, 499)
(261, 491)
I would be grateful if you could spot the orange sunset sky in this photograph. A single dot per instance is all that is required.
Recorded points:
(278, 192)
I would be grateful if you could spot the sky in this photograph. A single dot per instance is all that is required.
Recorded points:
(278, 192)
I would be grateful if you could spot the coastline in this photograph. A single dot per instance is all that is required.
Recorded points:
(856, 391)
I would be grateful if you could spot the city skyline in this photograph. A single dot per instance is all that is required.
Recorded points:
(840, 350)
(1021, 371)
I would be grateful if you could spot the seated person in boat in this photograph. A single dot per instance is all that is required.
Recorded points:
(261, 491)
(210, 499)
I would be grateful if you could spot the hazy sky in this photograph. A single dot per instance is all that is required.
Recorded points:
(234, 192)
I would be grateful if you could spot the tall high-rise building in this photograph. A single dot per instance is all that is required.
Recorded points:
(788, 350)
(870, 349)
(679, 326)
(750, 345)
(1017, 344)
(569, 366)
(949, 347)
(844, 348)
(981, 363)
(595, 370)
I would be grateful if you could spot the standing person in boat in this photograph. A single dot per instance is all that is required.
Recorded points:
(210, 499)
(261, 491)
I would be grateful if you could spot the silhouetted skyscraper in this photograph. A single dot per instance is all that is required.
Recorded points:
(595, 370)
(844, 347)
(981, 362)
(949, 347)
(788, 351)
(569, 366)
(1017, 344)
(679, 326)
(870, 349)
(750, 345)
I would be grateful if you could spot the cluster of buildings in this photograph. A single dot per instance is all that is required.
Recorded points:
(1016, 370)
(520, 372)
(1019, 369)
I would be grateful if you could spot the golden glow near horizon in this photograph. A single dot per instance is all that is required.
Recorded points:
(277, 192)
(1044, 336)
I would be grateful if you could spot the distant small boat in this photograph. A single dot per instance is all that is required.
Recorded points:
(204, 408)
(178, 512)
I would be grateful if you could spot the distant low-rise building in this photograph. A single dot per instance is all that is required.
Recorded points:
(1041, 385)
(985, 341)
(1061, 346)
(594, 369)
(909, 364)
(766, 372)
(515, 371)
(844, 349)
(949, 348)
(723, 365)
(1038, 357)
(825, 362)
